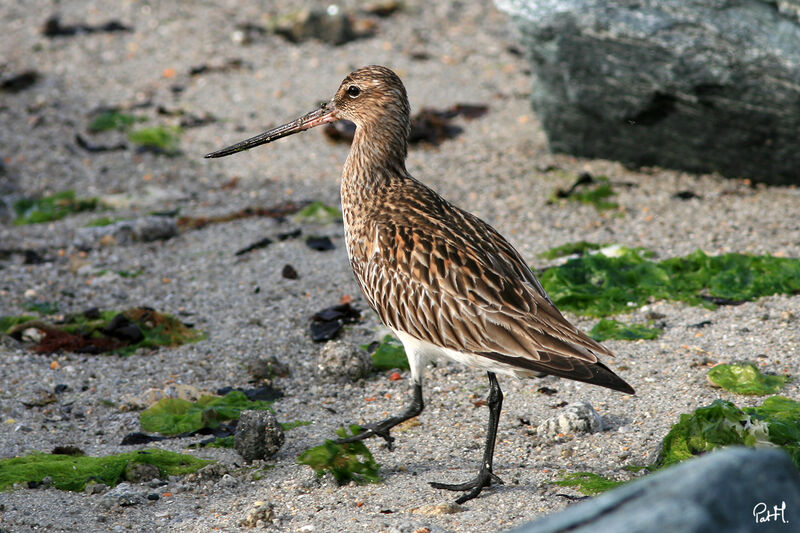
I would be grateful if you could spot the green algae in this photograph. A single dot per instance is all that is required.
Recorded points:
(389, 354)
(162, 139)
(9, 322)
(607, 329)
(746, 378)
(347, 462)
(113, 120)
(600, 285)
(43, 308)
(587, 483)
(775, 423)
(53, 207)
(173, 416)
(92, 331)
(571, 248)
(595, 191)
(73, 472)
(318, 212)
(222, 442)
(288, 426)
(101, 222)
(159, 329)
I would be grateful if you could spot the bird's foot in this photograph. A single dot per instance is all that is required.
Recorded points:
(380, 429)
(485, 478)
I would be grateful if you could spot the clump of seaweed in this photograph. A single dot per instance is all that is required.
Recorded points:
(603, 284)
(174, 416)
(72, 472)
(607, 329)
(97, 331)
(745, 378)
(53, 207)
(587, 483)
(776, 422)
(388, 354)
(347, 462)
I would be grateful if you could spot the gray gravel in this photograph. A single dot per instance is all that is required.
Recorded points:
(498, 168)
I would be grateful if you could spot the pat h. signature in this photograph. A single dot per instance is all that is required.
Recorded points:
(761, 513)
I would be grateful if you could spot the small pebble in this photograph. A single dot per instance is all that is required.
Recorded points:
(289, 272)
(260, 513)
(258, 435)
(338, 360)
(575, 418)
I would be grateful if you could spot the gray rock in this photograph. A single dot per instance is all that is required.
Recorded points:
(122, 495)
(141, 472)
(716, 492)
(9, 343)
(227, 481)
(266, 367)
(331, 25)
(575, 418)
(96, 488)
(338, 360)
(258, 435)
(144, 229)
(692, 84)
(209, 472)
(260, 515)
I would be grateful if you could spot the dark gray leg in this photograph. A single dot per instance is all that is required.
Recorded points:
(485, 476)
(381, 429)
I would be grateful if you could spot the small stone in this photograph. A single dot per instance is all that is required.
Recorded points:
(9, 343)
(267, 368)
(575, 418)
(258, 435)
(122, 495)
(261, 512)
(96, 488)
(320, 244)
(439, 509)
(228, 481)
(135, 402)
(289, 272)
(153, 497)
(340, 361)
(209, 472)
(32, 335)
(144, 229)
(239, 37)
(141, 472)
(39, 398)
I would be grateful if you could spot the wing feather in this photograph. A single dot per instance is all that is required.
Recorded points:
(447, 278)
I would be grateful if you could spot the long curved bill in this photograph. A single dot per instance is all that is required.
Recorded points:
(325, 114)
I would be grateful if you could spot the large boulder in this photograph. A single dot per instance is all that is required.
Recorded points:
(700, 85)
(736, 490)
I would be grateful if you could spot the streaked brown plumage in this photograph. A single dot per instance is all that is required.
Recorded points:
(442, 279)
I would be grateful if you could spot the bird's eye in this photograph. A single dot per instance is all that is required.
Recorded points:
(353, 91)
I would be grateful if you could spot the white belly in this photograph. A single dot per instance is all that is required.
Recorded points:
(420, 352)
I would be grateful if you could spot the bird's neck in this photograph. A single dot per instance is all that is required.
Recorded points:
(376, 160)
